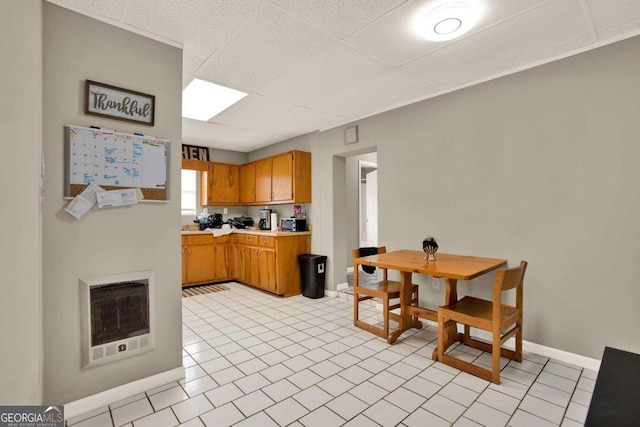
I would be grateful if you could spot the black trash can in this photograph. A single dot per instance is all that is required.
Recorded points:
(312, 272)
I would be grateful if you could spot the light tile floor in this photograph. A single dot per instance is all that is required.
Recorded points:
(253, 359)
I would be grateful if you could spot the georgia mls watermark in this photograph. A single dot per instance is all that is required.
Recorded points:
(32, 416)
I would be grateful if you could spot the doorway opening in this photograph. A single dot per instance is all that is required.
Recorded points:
(368, 203)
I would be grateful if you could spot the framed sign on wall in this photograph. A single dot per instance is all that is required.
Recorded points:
(116, 103)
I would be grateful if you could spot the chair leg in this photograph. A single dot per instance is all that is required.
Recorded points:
(519, 342)
(355, 307)
(495, 356)
(385, 315)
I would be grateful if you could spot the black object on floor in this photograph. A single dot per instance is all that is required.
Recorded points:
(312, 274)
(615, 396)
(366, 252)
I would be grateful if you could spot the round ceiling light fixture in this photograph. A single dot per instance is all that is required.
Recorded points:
(446, 20)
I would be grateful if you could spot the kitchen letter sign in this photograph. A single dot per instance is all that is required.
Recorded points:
(116, 103)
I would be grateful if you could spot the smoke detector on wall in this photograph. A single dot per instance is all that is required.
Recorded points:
(446, 20)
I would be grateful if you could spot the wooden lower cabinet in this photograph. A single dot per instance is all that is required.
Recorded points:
(239, 266)
(267, 259)
(199, 267)
(222, 258)
(269, 263)
(205, 259)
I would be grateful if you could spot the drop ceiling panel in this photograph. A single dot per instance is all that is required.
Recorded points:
(268, 46)
(288, 54)
(339, 17)
(612, 18)
(329, 72)
(394, 39)
(380, 92)
(556, 27)
(202, 26)
(261, 113)
(227, 137)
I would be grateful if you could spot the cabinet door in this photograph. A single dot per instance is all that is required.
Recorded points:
(222, 257)
(253, 266)
(268, 270)
(282, 177)
(184, 265)
(263, 180)
(248, 183)
(200, 264)
(233, 184)
(223, 184)
(239, 262)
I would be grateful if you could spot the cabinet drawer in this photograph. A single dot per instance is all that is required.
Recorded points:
(252, 240)
(267, 242)
(238, 239)
(199, 239)
(222, 239)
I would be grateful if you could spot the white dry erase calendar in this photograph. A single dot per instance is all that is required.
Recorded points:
(116, 160)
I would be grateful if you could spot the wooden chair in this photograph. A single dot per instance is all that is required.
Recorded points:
(385, 290)
(492, 316)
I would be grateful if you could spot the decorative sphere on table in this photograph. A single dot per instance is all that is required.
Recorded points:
(430, 247)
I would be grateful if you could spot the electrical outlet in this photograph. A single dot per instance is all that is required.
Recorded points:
(435, 283)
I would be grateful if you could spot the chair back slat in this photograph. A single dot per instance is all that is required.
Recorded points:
(510, 278)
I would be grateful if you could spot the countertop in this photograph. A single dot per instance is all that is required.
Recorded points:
(253, 232)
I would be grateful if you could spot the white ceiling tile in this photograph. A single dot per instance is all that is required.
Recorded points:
(268, 46)
(339, 17)
(261, 113)
(380, 92)
(226, 137)
(394, 39)
(552, 29)
(612, 18)
(202, 26)
(329, 72)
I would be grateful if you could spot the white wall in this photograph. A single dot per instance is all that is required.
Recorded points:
(20, 219)
(541, 165)
(140, 237)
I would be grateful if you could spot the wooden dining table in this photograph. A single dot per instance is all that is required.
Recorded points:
(448, 266)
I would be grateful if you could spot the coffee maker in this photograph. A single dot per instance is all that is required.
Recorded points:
(265, 219)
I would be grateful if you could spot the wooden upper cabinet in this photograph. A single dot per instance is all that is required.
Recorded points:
(263, 180)
(285, 178)
(282, 177)
(221, 184)
(301, 177)
(248, 183)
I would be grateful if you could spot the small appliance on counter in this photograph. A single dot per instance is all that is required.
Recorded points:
(265, 219)
(241, 222)
(209, 221)
(293, 224)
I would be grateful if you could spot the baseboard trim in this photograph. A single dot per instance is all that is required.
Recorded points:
(330, 294)
(98, 400)
(349, 270)
(542, 350)
(342, 286)
(562, 356)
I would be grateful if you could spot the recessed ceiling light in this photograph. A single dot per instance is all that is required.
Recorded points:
(446, 20)
(202, 100)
